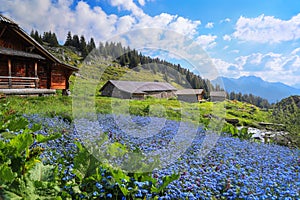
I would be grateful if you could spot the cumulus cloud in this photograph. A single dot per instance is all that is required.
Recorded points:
(209, 25)
(225, 20)
(60, 17)
(142, 2)
(206, 41)
(226, 68)
(128, 5)
(185, 26)
(273, 67)
(267, 29)
(227, 37)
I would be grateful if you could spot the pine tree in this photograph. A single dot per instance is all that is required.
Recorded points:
(53, 40)
(69, 40)
(83, 47)
(91, 45)
(75, 42)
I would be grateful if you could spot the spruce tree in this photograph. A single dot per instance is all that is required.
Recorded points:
(69, 40)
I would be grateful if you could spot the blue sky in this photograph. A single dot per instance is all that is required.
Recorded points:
(241, 37)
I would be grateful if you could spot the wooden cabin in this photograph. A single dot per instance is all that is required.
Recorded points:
(216, 96)
(137, 90)
(25, 65)
(190, 95)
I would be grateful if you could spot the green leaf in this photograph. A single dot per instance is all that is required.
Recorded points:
(5, 194)
(22, 141)
(166, 181)
(6, 174)
(41, 172)
(17, 124)
(85, 164)
(117, 149)
(42, 139)
(36, 127)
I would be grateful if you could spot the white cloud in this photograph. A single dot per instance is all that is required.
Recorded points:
(224, 68)
(227, 37)
(185, 26)
(267, 29)
(128, 5)
(235, 51)
(142, 2)
(209, 25)
(206, 41)
(273, 67)
(58, 17)
(295, 51)
(225, 20)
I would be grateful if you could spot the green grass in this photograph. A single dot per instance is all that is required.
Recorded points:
(247, 114)
(209, 114)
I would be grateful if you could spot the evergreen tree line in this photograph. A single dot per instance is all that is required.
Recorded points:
(80, 44)
(249, 98)
(48, 37)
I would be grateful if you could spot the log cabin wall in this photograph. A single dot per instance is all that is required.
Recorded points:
(3, 67)
(42, 72)
(10, 40)
(58, 78)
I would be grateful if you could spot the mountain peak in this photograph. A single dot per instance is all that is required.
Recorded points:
(257, 86)
(256, 78)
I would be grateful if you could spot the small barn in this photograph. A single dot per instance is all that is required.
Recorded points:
(26, 67)
(137, 90)
(190, 95)
(217, 96)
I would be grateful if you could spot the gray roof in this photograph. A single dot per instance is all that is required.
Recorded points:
(189, 91)
(11, 52)
(142, 87)
(218, 94)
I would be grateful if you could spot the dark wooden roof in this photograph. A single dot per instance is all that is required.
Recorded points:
(11, 52)
(5, 19)
(189, 92)
(30, 40)
(141, 87)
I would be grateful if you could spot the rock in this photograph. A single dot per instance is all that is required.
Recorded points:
(232, 121)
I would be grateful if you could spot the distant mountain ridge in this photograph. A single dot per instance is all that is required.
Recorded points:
(273, 92)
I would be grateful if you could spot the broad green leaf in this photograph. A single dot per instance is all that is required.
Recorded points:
(42, 139)
(17, 124)
(166, 181)
(22, 141)
(85, 164)
(41, 172)
(117, 149)
(36, 127)
(6, 174)
(8, 195)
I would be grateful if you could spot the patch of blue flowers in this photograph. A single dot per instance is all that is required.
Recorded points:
(233, 169)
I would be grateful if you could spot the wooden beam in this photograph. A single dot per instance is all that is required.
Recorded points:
(3, 30)
(9, 73)
(35, 74)
(35, 69)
